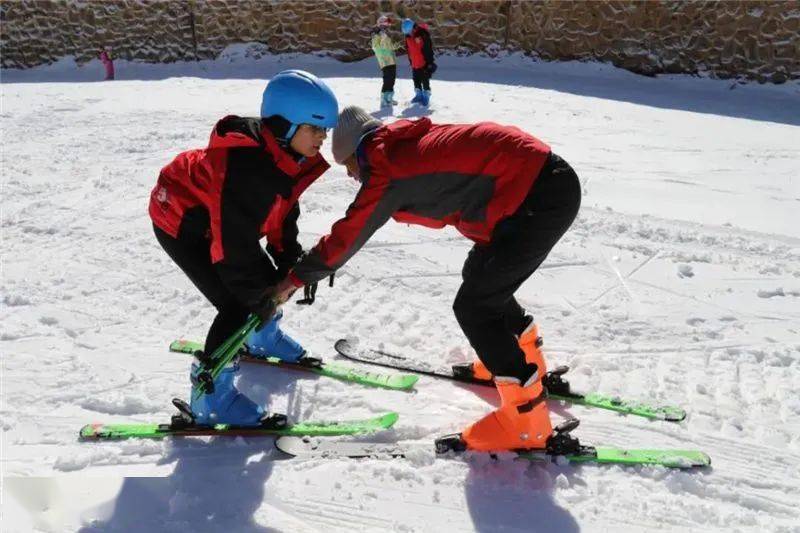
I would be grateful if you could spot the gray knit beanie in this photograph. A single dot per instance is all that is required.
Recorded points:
(353, 123)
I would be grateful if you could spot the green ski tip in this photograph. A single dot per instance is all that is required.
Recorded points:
(629, 407)
(668, 458)
(620, 456)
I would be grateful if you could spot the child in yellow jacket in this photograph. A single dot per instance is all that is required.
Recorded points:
(384, 48)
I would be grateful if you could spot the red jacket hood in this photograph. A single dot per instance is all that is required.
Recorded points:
(230, 139)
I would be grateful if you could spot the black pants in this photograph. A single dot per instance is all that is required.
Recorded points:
(422, 79)
(485, 306)
(191, 252)
(389, 75)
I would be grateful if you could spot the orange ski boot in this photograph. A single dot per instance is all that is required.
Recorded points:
(522, 421)
(479, 371)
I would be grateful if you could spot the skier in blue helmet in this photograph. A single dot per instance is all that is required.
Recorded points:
(211, 206)
(420, 55)
(301, 98)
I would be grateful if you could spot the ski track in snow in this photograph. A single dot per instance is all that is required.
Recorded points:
(679, 283)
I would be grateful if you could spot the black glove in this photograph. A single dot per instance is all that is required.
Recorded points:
(310, 292)
(283, 260)
(431, 69)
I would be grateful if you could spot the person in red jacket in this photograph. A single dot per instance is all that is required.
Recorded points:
(108, 62)
(498, 186)
(211, 206)
(420, 55)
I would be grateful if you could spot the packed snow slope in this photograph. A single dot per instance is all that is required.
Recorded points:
(678, 283)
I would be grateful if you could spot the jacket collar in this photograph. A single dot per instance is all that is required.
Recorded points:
(283, 159)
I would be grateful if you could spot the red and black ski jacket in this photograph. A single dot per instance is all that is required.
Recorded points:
(469, 176)
(242, 187)
(420, 47)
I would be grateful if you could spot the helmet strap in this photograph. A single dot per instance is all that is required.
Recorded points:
(280, 128)
(291, 132)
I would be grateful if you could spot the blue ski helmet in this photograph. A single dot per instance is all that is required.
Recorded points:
(407, 25)
(301, 98)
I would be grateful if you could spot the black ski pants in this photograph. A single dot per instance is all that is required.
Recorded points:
(191, 251)
(422, 78)
(485, 306)
(389, 75)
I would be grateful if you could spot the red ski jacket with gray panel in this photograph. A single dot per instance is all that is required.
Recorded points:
(469, 176)
(242, 187)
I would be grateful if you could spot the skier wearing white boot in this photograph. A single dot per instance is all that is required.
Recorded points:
(384, 48)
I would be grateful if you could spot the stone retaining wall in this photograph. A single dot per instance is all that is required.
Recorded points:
(751, 39)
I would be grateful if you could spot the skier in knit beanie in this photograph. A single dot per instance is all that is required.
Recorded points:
(498, 186)
(353, 124)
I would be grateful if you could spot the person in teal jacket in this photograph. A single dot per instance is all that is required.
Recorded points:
(384, 47)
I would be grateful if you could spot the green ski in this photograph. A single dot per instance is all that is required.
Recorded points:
(315, 366)
(557, 387)
(306, 448)
(94, 432)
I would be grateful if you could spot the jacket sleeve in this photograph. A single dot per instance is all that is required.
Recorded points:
(248, 191)
(290, 248)
(427, 48)
(372, 207)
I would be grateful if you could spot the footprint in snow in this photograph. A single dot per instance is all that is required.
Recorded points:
(685, 271)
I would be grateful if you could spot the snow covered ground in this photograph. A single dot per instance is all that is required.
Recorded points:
(679, 283)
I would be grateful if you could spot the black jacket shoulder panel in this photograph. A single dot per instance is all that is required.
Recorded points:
(252, 183)
(244, 125)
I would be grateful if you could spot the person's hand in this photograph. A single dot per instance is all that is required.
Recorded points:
(284, 260)
(284, 291)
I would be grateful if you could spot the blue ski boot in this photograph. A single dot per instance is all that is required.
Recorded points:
(390, 98)
(426, 98)
(270, 341)
(226, 405)
(418, 98)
